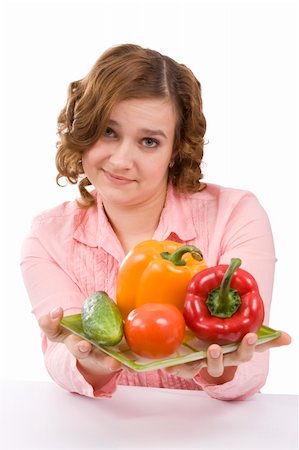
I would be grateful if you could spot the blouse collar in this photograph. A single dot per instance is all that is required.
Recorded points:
(175, 221)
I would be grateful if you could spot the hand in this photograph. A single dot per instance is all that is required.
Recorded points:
(223, 367)
(91, 361)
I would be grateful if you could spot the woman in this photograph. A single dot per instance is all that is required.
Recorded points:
(133, 129)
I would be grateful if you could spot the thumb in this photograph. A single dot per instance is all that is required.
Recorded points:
(50, 325)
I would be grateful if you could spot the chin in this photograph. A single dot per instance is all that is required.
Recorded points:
(120, 198)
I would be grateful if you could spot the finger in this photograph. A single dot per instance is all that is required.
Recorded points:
(244, 353)
(283, 339)
(79, 348)
(246, 348)
(215, 366)
(188, 370)
(111, 364)
(50, 325)
(173, 370)
(102, 362)
(82, 349)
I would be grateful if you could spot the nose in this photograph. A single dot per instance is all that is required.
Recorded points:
(122, 155)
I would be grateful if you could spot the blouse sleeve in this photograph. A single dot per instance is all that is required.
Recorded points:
(49, 286)
(246, 234)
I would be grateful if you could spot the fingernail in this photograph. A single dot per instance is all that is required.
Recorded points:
(251, 340)
(55, 312)
(84, 348)
(215, 353)
(112, 366)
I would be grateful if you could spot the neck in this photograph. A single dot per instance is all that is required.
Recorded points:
(135, 223)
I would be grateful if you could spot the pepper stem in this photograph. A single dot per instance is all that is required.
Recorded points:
(225, 301)
(176, 256)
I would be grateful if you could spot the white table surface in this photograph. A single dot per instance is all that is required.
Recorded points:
(40, 415)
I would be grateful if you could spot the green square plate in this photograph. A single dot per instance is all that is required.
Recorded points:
(192, 348)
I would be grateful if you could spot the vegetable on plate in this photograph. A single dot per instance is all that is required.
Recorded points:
(223, 303)
(159, 272)
(155, 330)
(101, 319)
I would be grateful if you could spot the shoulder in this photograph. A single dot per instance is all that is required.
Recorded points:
(67, 211)
(221, 199)
(55, 232)
(63, 220)
(225, 204)
(216, 193)
(215, 199)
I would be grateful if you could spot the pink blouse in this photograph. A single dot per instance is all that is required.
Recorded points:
(71, 252)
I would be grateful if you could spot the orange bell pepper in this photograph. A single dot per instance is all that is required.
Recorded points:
(156, 271)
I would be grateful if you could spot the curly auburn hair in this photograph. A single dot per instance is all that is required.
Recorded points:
(128, 72)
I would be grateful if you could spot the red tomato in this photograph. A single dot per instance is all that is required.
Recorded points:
(155, 330)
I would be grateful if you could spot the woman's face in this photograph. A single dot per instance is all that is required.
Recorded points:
(128, 165)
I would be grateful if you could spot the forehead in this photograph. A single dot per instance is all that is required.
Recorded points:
(147, 111)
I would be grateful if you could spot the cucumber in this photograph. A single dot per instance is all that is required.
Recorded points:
(101, 319)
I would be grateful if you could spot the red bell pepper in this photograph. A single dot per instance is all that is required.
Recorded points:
(223, 303)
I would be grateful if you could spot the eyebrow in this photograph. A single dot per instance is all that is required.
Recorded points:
(142, 130)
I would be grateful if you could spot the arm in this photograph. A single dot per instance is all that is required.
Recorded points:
(247, 235)
(242, 231)
(88, 372)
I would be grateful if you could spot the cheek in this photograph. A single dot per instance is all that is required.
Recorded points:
(158, 169)
(157, 164)
(92, 158)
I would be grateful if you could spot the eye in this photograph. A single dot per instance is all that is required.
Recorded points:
(109, 132)
(150, 142)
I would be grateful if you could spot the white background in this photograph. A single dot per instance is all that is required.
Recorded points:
(245, 53)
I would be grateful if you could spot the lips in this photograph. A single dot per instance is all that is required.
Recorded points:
(116, 178)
